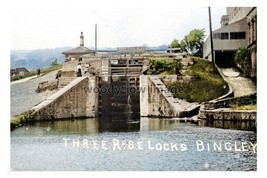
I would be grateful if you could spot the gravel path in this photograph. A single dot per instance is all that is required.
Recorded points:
(242, 86)
(23, 95)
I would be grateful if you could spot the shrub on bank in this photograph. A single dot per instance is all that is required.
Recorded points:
(22, 118)
(243, 61)
(163, 66)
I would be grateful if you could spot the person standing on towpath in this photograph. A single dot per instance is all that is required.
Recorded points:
(79, 70)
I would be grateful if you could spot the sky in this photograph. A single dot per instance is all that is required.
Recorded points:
(50, 27)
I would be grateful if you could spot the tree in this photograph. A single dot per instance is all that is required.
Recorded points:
(183, 46)
(193, 42)
(175, 44)
(242, 60)
(54, 63)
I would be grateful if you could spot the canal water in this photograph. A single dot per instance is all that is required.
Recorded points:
(132, 145)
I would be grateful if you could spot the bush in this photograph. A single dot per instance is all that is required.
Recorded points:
(242, 60)
(164, 66)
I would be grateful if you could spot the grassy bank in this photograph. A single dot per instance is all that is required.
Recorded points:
(43, 71)
(21, 119)
(245, 107)
(207, 85)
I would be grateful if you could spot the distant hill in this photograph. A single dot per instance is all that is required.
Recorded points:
(41, 58)
(158, 48)
(36, 58)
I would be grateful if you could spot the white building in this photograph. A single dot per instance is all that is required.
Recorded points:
(233, 34)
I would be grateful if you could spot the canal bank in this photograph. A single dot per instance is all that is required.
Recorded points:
(242, 92)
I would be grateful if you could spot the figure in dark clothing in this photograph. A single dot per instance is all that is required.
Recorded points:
(79, 70)
(58, 74)
(38, 71)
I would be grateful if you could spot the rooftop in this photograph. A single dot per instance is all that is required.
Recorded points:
(78, 50)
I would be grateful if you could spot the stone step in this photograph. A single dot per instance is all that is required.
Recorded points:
(186, 105)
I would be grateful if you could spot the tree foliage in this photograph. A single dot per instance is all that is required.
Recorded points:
(182, 44)
(242, 60)
(193, 42)
(175, 44)
(54, 63)
(164, 66)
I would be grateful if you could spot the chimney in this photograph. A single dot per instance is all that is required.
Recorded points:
(81, 39)
(95, 37)
(224, 20)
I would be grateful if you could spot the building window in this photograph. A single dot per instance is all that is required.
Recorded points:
(237, 35)
(224, 36)
(21, 72)
(217, 36)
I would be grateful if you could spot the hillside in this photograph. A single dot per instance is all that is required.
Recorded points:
(34, 59)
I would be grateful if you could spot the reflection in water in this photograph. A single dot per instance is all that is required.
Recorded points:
(76, 126)
(113, 124)
(149, 124)
(40, 146)
(84, 126)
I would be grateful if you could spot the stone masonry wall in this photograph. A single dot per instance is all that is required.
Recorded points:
(92, 97)
(232, 115)
(72, 101)
(226, 103)
(155, 100)
(175, 78)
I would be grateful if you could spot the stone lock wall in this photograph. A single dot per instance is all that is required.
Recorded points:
(92, 97)
(231, 115)
(72, 101)
(155, 100)
(227, 102)
(158, 104)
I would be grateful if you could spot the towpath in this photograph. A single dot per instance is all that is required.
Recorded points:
(242, 86)
(23, 95)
